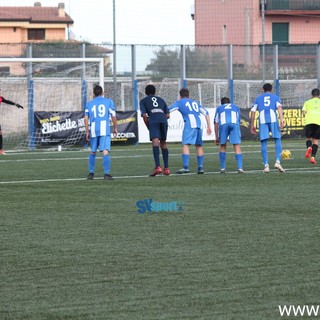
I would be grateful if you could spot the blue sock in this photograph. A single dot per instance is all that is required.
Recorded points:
(200, 161)
(91, 162)
(239, 160)
(155, 151)
(165, 156)
(106, 163)
(278, 148)
(222, 157)
(185, 161)
(264, 151)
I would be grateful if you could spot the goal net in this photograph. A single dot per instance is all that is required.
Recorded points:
(53, 93)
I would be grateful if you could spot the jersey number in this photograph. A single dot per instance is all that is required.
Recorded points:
(99, 111)
(155, 102)
(194, 106)
(266, 101)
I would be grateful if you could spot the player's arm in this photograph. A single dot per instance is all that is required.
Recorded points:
(205, 112)
(280, 111)
(115, 127)
(113, 114)
(86, 125)
(216, 132)
(209, 130)
(146, 120)
(12, 103)
(253, 115)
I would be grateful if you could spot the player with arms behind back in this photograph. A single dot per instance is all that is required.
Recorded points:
(267, 104)
(97, 113)
(155, 113)
(227, 124)
(191, 112)
(2, 99)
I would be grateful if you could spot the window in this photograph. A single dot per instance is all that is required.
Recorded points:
(280, 33)
(36, 34)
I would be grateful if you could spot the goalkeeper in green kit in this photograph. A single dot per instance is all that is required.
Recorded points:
(2, 99)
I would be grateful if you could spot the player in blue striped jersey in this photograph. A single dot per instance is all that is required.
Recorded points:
(267, 104)
(97, 123)
(155, 113)
(227, 125)
(191, 112)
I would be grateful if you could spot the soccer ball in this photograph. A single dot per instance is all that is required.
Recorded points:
(286, 154)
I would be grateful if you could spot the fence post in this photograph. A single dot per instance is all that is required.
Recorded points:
(230, 74)
(134, 77)
(318, 66)
(276, 69)
(31, 116)
(183, 82)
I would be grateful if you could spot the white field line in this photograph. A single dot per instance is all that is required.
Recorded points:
(249, 172)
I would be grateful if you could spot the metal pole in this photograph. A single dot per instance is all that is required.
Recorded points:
(134, 76)
(276, 69)
(318, 66)
(182, 66)
(263, 40)
(114, 52)
(230, 73)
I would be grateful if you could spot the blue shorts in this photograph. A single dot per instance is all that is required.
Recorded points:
(232, 130)
(158, 130)
(192, 136)
(266, 128)
(102, 142)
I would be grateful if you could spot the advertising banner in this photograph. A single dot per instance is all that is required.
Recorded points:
(52, 128)
(127, 128)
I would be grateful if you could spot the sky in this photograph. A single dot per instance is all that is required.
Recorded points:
(137, 21)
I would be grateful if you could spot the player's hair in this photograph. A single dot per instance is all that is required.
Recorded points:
(150, 89)
(184, 93)
(225, 100)
(315, 92)
(267, 87)
(97, 91)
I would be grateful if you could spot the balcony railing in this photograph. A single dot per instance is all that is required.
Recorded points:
(298, 5)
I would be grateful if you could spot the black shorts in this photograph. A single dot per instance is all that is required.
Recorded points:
(158, 130)
(313, 131)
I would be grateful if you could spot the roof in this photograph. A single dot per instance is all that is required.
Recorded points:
(34, 14)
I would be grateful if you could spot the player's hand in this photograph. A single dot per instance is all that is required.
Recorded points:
(88, 136)
(115, 132)
(281, 124)
(209, 131)
(19, 106)
(217, 141)
(254, 130)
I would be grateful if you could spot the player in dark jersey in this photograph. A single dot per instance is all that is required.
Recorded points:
(2, 99)
(155, 115)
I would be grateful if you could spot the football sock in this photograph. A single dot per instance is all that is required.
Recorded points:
(92, 162)
(222, 157)
(106, 163)
(278, 149)
(185, 161)
(264, 151)
(314, 150)
(200, 161)
(239, 160)
(1, 142)
(165, 156)
(308, 143)
(155, 151)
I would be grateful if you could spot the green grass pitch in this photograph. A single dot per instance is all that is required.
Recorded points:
(76, 249)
